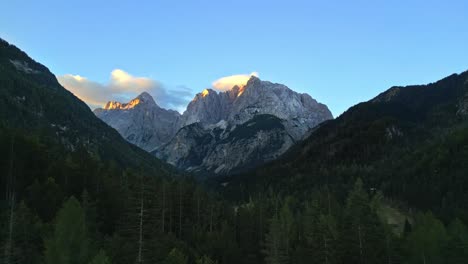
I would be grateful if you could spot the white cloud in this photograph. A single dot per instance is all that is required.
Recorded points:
(123, 87)
(226, 83)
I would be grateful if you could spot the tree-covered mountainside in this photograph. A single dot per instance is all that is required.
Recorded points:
(73, 191)
(32, 101)
(411, 143)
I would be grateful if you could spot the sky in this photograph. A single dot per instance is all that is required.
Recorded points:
(339, 52)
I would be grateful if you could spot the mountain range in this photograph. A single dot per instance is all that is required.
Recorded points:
(220, 132)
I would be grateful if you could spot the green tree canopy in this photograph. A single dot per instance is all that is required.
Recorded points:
(69, 243)
(176, 257)
(100, 258)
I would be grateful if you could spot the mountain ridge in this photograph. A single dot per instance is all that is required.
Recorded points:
(407, 142)
(223, 112)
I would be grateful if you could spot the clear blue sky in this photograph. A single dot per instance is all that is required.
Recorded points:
(340, 52)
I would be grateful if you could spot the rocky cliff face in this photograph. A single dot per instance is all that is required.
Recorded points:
(248, 125)
(222, 148)
(257, 97)
(220, 132)
(141, 121)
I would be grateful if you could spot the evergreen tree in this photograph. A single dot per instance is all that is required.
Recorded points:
(278, 240)
(27, 246)
(176, 257)
(69, 243)
(426, 242)
(310, 232)
(100, 258)
(363, 234)
(275, 250)
(326, 237)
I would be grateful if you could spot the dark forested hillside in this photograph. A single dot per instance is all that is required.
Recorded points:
(411, 143)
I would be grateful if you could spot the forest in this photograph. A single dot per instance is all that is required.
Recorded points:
(85, 211)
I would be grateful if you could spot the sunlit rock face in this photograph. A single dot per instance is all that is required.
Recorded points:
(243, 102)
(141, 121)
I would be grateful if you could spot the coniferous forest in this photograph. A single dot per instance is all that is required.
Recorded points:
(384, 183)
(84, 211)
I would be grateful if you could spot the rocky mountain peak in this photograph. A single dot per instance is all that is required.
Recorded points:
(205, 93)
(253, 80)
(141, 121)
(243, 102)
(142, 99)
(145, 97)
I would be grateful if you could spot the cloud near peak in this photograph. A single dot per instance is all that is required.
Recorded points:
(123, 87)
(226, 83)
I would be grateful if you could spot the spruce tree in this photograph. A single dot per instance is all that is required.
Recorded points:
(69, 243)
(363, 234)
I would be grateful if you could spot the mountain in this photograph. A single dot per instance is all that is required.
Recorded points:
(411, 143)
(220, 132)
(235, 130)
(256, 97)
(141, 121)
